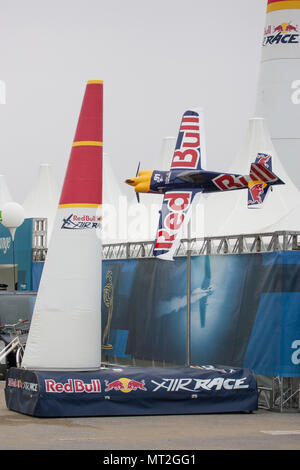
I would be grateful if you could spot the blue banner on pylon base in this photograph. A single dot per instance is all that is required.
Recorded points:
(131, 391)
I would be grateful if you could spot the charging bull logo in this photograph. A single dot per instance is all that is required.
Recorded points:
(285, 28)
(264, 160)
(283, 33)
(256, 192)
(125, 385)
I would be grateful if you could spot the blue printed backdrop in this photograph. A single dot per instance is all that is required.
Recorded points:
(23, 252)
(149, 309)
(245, 311)
(250, 311)
(37, 269)
(274, 345)
(223, 306)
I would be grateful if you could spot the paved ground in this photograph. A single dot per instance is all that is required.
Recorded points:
(261, 430)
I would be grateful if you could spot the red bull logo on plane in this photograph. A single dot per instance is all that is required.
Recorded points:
(176, 204)
(284, 33)
(225, 181)
(125, 385)
(187, 152)
(256, 192)
(264, 160)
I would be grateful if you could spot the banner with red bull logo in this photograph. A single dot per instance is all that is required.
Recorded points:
(131, 391)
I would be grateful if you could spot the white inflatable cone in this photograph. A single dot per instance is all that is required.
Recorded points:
(278, 94)
(65, 331)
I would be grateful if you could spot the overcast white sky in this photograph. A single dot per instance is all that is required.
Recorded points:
(157, 58)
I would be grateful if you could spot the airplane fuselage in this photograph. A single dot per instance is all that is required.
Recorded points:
(201, 180)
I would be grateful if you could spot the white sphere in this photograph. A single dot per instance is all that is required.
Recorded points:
(12, 215)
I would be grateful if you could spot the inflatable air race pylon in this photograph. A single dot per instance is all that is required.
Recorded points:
(278, 96)
(65, 331)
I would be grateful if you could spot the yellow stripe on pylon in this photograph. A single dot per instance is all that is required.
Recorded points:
(89, 143)
(98, 82)
(78, 204)
(288, 5)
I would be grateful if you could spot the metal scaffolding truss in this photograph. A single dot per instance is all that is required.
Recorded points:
(224, 245)
(39, 239)
(281, 394)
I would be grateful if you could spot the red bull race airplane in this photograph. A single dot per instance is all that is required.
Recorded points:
(186, 178)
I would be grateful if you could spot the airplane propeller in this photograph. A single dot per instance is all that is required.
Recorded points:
(137, 172)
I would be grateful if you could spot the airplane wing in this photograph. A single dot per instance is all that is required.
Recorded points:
(189, 154)
(190, 151)
(175, 212)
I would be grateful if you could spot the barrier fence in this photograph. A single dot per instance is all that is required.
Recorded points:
(231, 244)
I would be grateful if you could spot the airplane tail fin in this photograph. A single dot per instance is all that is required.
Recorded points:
(257, 192)
(261, 170)
(261, 179)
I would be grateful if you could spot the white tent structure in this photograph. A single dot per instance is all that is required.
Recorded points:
(166, 153)
(227, 213)
(111, 188)
(114, 207)
(42, 200)
(4, 192)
